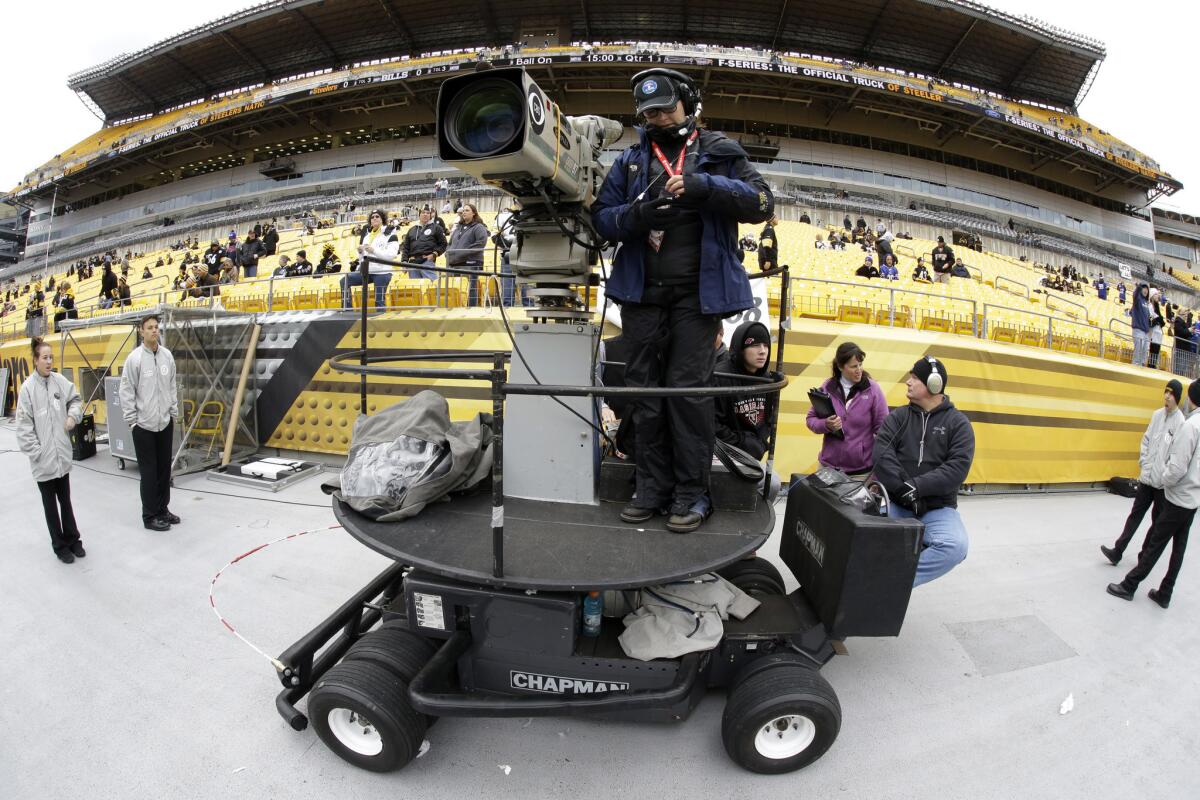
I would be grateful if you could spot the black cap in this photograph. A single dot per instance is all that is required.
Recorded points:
(1194, 393)
(1175, 388)
(655, 91)
(925, 368)
(757, 334)
(941, 240)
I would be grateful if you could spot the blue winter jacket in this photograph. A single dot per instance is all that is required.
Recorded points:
(736, 193)
(1140, 310)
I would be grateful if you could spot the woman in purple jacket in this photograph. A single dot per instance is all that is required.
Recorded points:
(860, 410)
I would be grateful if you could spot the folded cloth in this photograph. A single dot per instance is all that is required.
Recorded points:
(683, 617)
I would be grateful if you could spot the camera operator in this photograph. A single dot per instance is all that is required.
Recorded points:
(674, 200)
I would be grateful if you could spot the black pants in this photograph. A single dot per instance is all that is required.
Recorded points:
(153, 449)
(1152, 358)
(671, 343)
(1174, 523)
(60, 517)
(1147, 498)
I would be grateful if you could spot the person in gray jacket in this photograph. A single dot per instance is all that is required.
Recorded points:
(150, 405)
(48, 409)
(467, 241)
(1181, 497)
(1155, 442)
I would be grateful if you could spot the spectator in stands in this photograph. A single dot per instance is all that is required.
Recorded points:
(382, 242)
(943, 260)
(48, 409)
(675, 274)
(146, 273)
(768, 246)
(922, 454)
(65, 304)
(860, 224)
(505, 237)
(212, 256)
(229, 273)
(35, 312)
(745, 422)
(283, 268)
(868, 269)
(1180, 498)
(921, 273)
(820, 243)
(150, 404)
(465, 249)
(250, 252)
(1101, 288)
(1157, 323)
(804, 218)
(270, 238)
(124, 298)
(747, 244)
(301, 267)
(959, 270)
(181, 278)
(860, 409)
(108, 285)
(888, 269)
(1139, 320)
(846, 223)
(883, 245)
(1164, 423)
(880, 228)
(329, 262)
(1185, 349)
(424, 242)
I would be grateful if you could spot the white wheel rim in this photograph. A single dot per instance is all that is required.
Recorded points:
(355, 732)
(785, 737)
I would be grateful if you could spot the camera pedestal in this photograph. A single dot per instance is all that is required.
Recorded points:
(550, 454)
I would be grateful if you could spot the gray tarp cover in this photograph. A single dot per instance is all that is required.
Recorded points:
(398, 458)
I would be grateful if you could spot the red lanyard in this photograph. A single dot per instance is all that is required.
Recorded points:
(678, 170)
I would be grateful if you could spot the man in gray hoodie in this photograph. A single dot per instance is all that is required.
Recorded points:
(922, 455)
(150, 404)
(1155, 441)
(48, 409)
(1181, 497)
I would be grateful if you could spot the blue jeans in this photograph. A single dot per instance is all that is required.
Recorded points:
(379, 280)
(250, 271)
(427, 274)
(945, 541)
(508, 284)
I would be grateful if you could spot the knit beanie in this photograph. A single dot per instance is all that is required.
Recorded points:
(925, 367)
(1176, 388)
(1194, 394)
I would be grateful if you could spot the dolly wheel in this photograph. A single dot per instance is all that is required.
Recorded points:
(754, 576)
(397, 649)
(780, 719)
(360, 711)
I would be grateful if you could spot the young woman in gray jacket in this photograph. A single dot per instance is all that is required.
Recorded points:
(48, 409)
(467, 242)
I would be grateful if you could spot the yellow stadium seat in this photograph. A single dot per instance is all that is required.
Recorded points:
(1003, 333)
(934, 322)
(850, 313)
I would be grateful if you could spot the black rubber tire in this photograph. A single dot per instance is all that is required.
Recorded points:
(787, 689)
(378, 695)
(754, 576)
(397, 649)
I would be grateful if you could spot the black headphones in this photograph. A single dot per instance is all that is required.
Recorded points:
(685, 86)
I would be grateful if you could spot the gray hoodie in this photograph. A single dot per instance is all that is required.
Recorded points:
(43, 406)
(1181, 471)
(149, 395)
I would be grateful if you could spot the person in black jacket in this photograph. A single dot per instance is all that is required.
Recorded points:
(212, 256)
(270, 239)
(868, 269)
(768, 246)
(108, 286)
(250, 252)
(745, 422)
(942, 259)
(329, 262)
(922, 455)
(424, 241)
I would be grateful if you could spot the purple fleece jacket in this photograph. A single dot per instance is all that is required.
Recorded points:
(860, 424)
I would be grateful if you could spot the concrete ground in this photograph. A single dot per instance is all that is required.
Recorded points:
(118, 681)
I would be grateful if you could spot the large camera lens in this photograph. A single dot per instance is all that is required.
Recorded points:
(485, 117)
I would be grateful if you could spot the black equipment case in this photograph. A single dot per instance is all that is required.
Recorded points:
(855, 569)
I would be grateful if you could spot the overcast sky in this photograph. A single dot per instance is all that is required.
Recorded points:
(1143, 93)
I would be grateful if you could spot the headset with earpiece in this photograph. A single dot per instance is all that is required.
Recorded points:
(689, 94)
(936, 381)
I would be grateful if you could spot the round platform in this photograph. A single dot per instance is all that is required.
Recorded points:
(559, 546)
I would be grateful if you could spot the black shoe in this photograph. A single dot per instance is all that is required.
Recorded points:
(77, 549)
(157, 525)
(636, 514)
(1112, 555)
(686, 522)
(171, 518)
(1119, 590)
(1163, 600)
(65, 556)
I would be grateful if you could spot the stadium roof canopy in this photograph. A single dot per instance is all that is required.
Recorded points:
(956, 41)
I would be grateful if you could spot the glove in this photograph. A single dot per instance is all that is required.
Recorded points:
(911, 499)
(658, 214)
(695, 192)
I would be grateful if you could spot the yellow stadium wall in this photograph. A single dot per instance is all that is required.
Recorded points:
(1040, 417)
